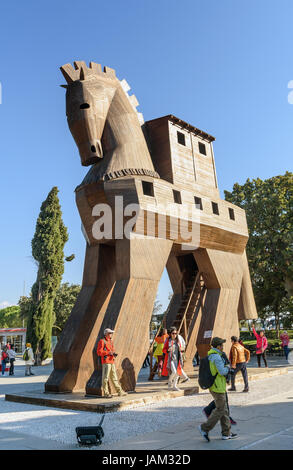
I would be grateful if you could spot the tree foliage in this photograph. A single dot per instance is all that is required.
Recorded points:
(269, 211)
(47, 249)
(64, 302)
(10, 317)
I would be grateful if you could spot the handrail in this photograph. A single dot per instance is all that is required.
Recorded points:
(187, 306)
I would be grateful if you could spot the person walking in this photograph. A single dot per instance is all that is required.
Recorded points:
(240, 356)
(107, 354)
(211, 406)
(4, 359)
(158, 354)
(173, 361)
(284, 337)
(12, 356)
(28, 357)
(261, 346)
(218, 392)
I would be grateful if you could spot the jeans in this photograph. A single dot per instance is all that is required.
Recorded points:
(28, 369)
(263, 355)
(286, 352)
(241, 366)
(3, 367)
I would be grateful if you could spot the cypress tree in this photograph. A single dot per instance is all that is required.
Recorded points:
(47, 249)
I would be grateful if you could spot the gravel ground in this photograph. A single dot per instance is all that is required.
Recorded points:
(59, 425)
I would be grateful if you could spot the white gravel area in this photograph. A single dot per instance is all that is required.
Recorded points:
(59, 425)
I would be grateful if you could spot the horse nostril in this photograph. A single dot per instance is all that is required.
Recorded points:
(93, 149)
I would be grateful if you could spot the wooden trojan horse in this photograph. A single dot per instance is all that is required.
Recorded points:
(150, 200)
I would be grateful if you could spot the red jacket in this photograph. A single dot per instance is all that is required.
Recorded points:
(165, 371)
(4, 355)
(261, 342)
(285, 339)
(103, 349)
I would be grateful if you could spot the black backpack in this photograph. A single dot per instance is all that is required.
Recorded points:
(205, 377)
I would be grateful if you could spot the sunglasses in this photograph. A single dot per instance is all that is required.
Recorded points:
(174, 333)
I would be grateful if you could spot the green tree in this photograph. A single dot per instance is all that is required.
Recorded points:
(269, 211)
(25, 305)
(10, 317)
(64, 302)
(47, 249)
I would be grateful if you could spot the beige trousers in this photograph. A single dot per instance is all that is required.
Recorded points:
(220, 413)
(109, 371)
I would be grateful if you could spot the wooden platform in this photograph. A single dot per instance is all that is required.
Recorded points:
(146, 393)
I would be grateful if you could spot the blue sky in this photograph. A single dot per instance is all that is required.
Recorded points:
(224, 66)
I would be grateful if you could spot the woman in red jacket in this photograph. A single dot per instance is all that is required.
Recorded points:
(261, 346)
(4, 359)
(173, 362)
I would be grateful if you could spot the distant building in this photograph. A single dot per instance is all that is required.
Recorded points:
(15, 336)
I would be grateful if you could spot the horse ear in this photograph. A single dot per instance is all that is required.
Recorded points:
(82, 74)
(69, 73)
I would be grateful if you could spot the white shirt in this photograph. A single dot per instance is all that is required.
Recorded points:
(11, 353)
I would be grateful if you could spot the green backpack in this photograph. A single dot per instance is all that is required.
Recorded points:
(25, 356)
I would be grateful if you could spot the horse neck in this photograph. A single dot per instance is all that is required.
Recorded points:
(125, 150)
(123, 136)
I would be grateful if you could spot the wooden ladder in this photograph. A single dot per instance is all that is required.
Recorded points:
(189, 305)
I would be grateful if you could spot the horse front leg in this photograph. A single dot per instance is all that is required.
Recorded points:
(73, 355)
(139, 266)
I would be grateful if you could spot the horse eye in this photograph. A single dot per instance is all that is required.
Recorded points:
(84, 106)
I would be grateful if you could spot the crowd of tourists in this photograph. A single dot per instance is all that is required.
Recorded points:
(8, 358)
(169, 357)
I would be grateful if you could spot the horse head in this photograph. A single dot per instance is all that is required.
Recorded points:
(104, 122)
(88, 97)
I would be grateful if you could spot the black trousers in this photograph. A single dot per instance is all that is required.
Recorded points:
(241, 366)
(11, 370)
(259, 356)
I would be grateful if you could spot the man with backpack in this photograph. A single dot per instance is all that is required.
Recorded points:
(28, 357)
(218, 372)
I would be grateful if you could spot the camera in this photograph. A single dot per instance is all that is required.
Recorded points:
(228, 376)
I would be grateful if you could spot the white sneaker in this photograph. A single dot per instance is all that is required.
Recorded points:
(204, 434)
(231, 436)
(175, 388)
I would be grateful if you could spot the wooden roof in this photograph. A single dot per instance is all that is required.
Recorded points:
(185, 125)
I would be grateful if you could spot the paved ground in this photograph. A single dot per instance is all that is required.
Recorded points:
(264, 419)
